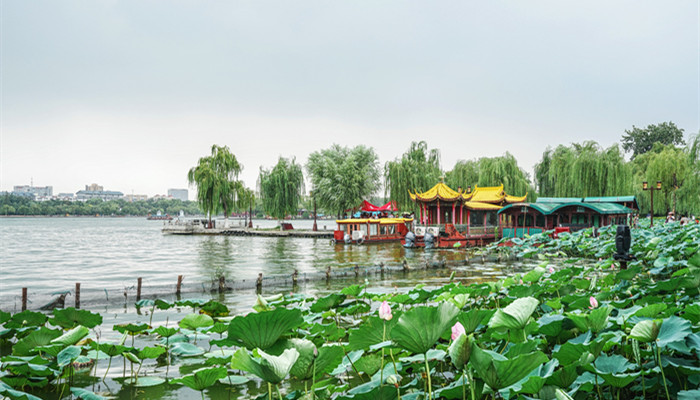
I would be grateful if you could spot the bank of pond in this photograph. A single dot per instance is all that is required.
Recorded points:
(575, 326)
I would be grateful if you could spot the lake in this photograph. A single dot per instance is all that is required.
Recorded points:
(107, 255)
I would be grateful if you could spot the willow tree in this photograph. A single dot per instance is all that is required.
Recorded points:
(281, 188)
(689, 191)
(491, 171)
(583, 169)
(418, 169)
(677, 171)
(216, 179)
(342, 177)
(246, 202)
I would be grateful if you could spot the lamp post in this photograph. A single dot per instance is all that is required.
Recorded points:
(645, 186)
(315, 228)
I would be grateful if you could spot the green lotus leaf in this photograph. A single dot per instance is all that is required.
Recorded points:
(651, 311)
(85, 394)
(131, 329)
(562, 395)
(164, 331)
(194, 321)
(515, 315)
(132, 357)
(500, 372)
(7, 391)
(302, 368)
(163, 305)
(551, 325)
(471, 319)
(68, 355)
(272, 369)
(261, 330)
(460, 350)
(421, 327)
(151, 352)
(40, 337)
(352, 290)
(144, 303)
(326, 303)
(645, 331)
(432, 354)
(234, 380)
(215, 309)
(329, 357)
(26, 318)
(202, 378)
(194, 303)
(73, 336)
(564, 376)
(71, 317)
(184, 349)
(146, 381)
(534, 275)
(673, 329)
(534, 381)
(112, 350)
(689, 394)
(458, 388)
(347, 361)
(4, 317)
(370, 333)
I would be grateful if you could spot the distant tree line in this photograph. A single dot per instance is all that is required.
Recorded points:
(18, 205)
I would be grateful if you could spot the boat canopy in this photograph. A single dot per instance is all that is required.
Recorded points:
(381, 221)
(369, 207)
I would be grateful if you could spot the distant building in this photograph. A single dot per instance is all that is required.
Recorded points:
(94, 188)
(38, 192)
(180, 194)
(83, 195)
(66, 196)
(135, 197)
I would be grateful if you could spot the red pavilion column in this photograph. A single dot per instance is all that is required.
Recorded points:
(453, 213)
(438, 212)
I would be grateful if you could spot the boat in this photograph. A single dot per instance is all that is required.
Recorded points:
(372, 224)
(159, 217)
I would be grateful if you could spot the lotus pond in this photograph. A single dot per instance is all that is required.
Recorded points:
(574, 327)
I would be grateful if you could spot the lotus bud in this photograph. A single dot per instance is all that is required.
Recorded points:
(385, 311)
(594, 303)
(551, 270)
(392, 379)
(457, 330)
(460, 350)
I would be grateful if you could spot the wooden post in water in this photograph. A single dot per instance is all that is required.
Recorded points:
(222, 284)
(357, 270)
(328, 273)
(179, 285)
(295, 276)
(258, 283)
(138, 289)
(24, 299)
(77, 294)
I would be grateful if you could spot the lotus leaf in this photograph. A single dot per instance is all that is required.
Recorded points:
(146, 381)
(645, 331)
(8, 391)
(261, 330)
(673, 329)
(215, 309)
(348, 360)
(70, 317)
(131, 329)
(500, 372)
(26, 318)
(194, 321)
(184, 349)
(419, 328)
(329, 357)
(85, 394)
(302, 368)
(370, 333)
(514, 315)
(151, 352)
(534, 381)
(73, 336)
(68, 355)
(40, 337)
(272, 369)
(234, 380)
(165, 331)
(202, 378)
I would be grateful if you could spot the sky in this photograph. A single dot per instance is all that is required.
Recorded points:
(129, 94)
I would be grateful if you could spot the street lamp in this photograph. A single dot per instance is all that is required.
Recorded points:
(645, 186)
(315, 228)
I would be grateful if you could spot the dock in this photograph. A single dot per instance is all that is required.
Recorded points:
(188, 228)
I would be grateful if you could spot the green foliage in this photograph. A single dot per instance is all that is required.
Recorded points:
(272, 369)
(261, 330)
(70, 317)
(417, 170)
(491, 171)
(281, 188)
(215, 177)
(342, 177)
(17, 205)
(202, 378)
(419, 328)
(583, 170)
(640, 141)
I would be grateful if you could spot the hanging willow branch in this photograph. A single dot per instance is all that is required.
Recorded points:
(281, 188)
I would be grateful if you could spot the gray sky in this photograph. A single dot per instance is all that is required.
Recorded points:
(129, 94)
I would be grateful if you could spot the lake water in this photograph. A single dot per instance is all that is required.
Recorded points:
(107, 255)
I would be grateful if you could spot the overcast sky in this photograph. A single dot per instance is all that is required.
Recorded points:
(129, 94)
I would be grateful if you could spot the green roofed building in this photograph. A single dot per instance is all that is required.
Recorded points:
(566, 214)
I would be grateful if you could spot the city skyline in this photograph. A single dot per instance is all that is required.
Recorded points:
(120, 94)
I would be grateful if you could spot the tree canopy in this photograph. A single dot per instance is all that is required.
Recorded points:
(581, 170)
(342, 177)
(281, 188)
(215, 177)
(418, 169)
(641, 140)
(491, 171)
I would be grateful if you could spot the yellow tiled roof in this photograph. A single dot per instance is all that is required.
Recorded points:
(515, 199)
(489, 194)
(475, 205)
(439, 191)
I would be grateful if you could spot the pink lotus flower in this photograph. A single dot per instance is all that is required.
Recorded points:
(594, 303)
(385, 311)
(551, 270)
(457, 330)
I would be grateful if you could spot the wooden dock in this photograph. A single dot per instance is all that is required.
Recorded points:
(190, 229)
